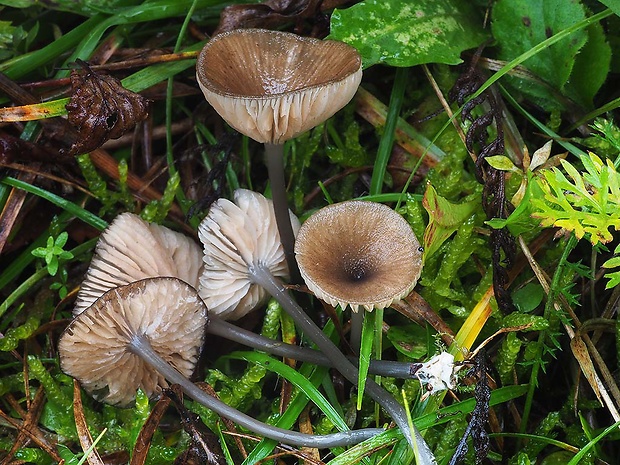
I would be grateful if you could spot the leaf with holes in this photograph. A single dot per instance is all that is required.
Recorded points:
(101, 109)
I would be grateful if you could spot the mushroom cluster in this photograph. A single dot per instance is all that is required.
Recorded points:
(149, 331)
(148, 288)
(238, 237)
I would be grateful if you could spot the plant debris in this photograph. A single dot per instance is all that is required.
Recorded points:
(101, 109)
(494, 200)
(273, 13)
(480, 415)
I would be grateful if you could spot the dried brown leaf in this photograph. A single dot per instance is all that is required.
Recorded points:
(580, 351)
(268, 14)
(101, 109)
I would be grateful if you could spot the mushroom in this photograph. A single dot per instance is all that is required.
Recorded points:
(272, 86)
(358, 254)
(144, 333)
(235, 234)
(225, 234)
(131, 249)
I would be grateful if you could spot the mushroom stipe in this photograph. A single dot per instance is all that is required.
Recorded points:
(123, 327)
(226, 330)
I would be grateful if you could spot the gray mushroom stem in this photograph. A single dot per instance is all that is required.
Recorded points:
(224, 329)
(264, 278)
(141, 347)
(274, 158)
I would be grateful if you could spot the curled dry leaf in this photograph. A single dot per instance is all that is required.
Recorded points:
(269, 14)
(101, 109)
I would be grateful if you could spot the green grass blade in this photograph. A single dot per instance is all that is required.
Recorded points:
(84, 215)
(368, 338)
(387, 140)
(289, 417)
(299, 381)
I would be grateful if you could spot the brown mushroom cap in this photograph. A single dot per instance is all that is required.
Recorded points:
(93, 348)
(237, 236)
(272, 86)
(359, 254)
(131, 249)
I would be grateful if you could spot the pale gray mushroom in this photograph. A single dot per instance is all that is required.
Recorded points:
(131, 249)
(96, 346)
(358, 254)
(150, 331)
(235, 235)
(272, 86)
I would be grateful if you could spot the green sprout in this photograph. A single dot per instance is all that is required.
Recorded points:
(54, 254)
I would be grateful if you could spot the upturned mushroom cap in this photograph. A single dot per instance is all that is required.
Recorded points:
(358, 254)
(94, 347)
(131, 249)
(272, 86)
(237, 236)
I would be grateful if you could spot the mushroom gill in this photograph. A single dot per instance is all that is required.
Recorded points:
(131, 249)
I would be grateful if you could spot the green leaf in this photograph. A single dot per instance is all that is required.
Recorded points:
(592, 65)
(519, 25)
(409, 340)
(614, 5)
(502, 163)
(444, 219)
(612, 263)
(6, 34)
(52, 264)
(528, 297)
(614, 279)
(289, 417)
(401, 33)
(61, 240)
(18, 3)
(297, 379)
(368, 335)
(39, 252)
(70, 207)
(588, 203)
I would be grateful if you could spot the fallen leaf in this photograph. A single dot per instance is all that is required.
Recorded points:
(100, 109)
(268, 14)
